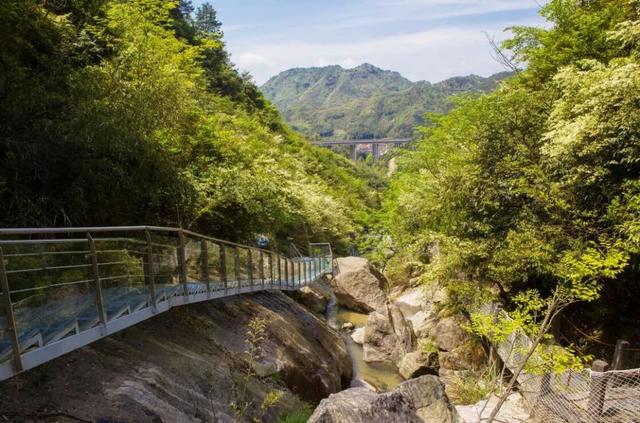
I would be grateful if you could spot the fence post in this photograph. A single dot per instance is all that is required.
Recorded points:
(250, 267)
(96, 280)
(148, 269)
(299, 273)
(598, 389)
(8, 309)
(620, 356)
(204, 263)
(292, 274)
(261, 268)
(223, 266)
(182, 262)
(236, 267)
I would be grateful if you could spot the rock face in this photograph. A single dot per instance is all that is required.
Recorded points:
(181, 366)
(418, 363)
(429, 399)
(361, 405)
(358, 286)
(387, 336)
(417, 400)
(314, 297)
(449, 334)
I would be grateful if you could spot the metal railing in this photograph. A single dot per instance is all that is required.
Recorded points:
(63, 288)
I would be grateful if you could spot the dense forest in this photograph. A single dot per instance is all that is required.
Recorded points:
(363, 102)
(534, 189)
(117, 113)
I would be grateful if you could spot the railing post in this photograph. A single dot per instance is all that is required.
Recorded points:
(299, 273)
(8, 309)
(304, 272)
(95, 270)
(271, 272)
(148, 269)
(292, 274)
(223, 267)
(279, 271)
(598, 390)
(250, 267)
(286, 272)
(236, 267)
(261, 259)
(182, 262)
(204, 263)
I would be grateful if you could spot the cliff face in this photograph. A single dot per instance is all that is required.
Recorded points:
(187, 365)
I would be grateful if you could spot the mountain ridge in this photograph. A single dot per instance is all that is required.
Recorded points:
(364, 101)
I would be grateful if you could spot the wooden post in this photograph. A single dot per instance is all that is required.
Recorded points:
(598, 389)
(261, 268)
(182, 262)
(148, 269)
(250, 267)
(95, 270)
(223, 267)
(236, 267)
(292, 274)
(204, 264)
(8, 311)
(620, 356)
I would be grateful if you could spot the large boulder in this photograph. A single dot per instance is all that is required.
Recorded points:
(358, 285)
(449, 334)
(428, 396)
(418, 363)
(418, 400)
(388, 336)
(362, 405)
(314, 297)
(468, 356)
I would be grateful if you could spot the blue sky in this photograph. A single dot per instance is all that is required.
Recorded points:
(422, 39)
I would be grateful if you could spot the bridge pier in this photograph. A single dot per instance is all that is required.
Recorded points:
(375, 149)
(353, 151)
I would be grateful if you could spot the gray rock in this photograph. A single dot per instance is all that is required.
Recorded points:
(428, 396)
(418, 363)
(361, 405)
(358, 285)
(314, 297)
(417, 400)
(448, 334)
(388, 335)
(358, 336)
(348, 326)
(467, 356)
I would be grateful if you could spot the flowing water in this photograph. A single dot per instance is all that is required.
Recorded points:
(383, 376)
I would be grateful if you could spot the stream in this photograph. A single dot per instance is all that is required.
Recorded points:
(383, 376)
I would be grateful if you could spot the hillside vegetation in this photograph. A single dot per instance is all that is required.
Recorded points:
(533, 191)
(117, 113)
(363, 102)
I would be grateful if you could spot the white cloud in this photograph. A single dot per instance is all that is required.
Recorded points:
(431, 55)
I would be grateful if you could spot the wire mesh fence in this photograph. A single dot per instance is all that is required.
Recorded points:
(587, 396)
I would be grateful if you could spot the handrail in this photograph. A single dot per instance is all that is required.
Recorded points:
(56, 297)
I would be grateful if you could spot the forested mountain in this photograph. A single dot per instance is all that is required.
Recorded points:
(363, 102)
(116, 113)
